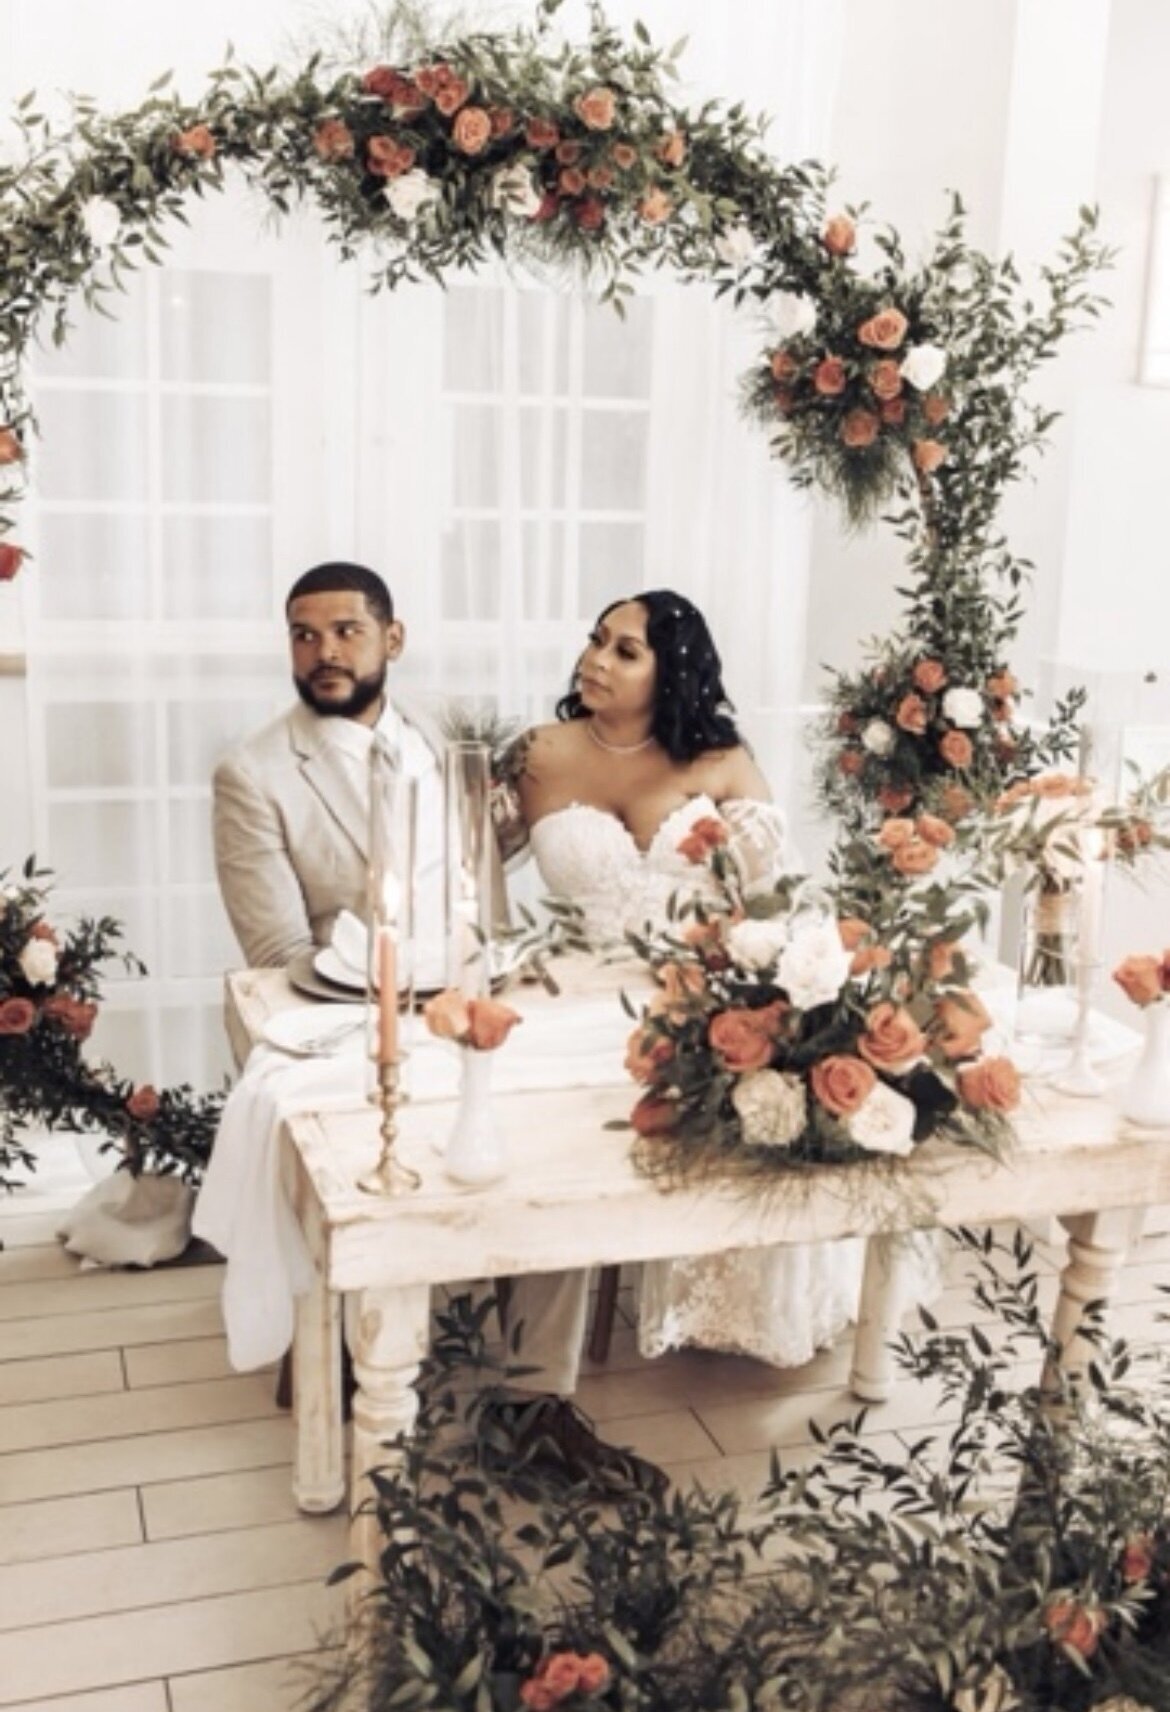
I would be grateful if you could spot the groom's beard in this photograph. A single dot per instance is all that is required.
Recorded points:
(363, 692)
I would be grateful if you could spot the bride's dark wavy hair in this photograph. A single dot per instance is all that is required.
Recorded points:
(692, 710)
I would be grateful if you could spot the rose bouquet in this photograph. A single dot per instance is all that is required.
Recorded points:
(796, 1028)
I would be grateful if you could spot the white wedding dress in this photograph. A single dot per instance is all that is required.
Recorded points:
(778, 1304)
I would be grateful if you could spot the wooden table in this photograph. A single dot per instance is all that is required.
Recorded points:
(573, 1199)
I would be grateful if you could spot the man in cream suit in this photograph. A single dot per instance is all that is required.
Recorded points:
(290, 813)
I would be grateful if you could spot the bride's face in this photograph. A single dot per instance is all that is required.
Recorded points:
(616, 674)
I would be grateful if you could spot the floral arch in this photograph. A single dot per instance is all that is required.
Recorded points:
(894, 389)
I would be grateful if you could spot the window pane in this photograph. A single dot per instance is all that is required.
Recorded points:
(103, 347)
(544, 342)
(216, 451)
(617, 352)
(93, 446)
(471, 570)
(473, 339)
(544, 570)
(99, 744)
(198, 937)
(217, 567)
(103, 844)
(191, 860)
(193, 1036)
(543, 434)
(215, 327)
(613, 460)
(611, 563)
(135, 911)
(199, 733)
(93, 567)
(475, 439)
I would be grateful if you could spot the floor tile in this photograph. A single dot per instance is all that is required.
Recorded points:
(179, 1362)
(141, 1461)
(66, 1334)
(50, 1527)
(60, 1376)
(274, 1686)
(173, 1508)
(128, 1697)
(161, 1409)
(103, 1292)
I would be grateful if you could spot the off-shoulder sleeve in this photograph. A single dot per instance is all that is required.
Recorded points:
(758, 842)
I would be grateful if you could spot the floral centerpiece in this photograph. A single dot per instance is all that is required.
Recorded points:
(796, 1028)
(475, 1151)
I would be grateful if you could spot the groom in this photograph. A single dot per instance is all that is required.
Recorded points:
(290, 817)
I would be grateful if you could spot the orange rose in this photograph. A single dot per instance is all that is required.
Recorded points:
(196, 142)
(784, 366)
(936, 408)
(707, 834)
(892, 1039)
(554, 1679)
(589, 214)
(885, 380)
(894, 798)
(386, 158)
(568, 153)
(956, 750)
(75, 1016)
(930, 676)
(842, 1083)
(401, 92)
(447, 1014)
(600, 177)
(491, 1023)
(1137, 1558)
(11, 450)
(960, 1022)
(597, 108)
(541, 134)
(850, 762)
(653, 1115)
(829, 377)
(883, 331)
(592, 1673)
(893, 412)
(928, 455)
(671, 150)
(914, 857)
(1077, 1627)
(955, 802)
(911, 714)
(860, 428)
(11, 559)
(646, 1053)
(1002, 684)
(430, 78)
(17, 1016)
(990, 1085)
(333, 140)
(472, 131)
(451, 93)
(623, 156)
(940, 959)
(1140, 979)
(839, 235)
(655, 206)
(934, 830)
(894, 832)
(743, 1039)
(143, 1104)
(572, 181)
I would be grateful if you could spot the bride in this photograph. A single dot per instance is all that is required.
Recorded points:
(645, 745)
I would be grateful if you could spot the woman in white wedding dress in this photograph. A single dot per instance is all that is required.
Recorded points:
(644, 746)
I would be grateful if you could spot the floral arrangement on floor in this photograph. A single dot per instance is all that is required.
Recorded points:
(50, 992)
(795, 1027)
(1012, 1557)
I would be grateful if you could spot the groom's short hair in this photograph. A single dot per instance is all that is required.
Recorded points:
(339, 574)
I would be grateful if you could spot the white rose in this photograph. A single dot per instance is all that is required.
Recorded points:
(884, 1122)
(38, 960)
(814, 966)
(878, 737)
(963, 707)
(411, 193)
(923, 365)
(102, 220)
(995, 1694)
(792, 314)
(515, 191)
(772, 1107)
(735, 246)
(757, 944)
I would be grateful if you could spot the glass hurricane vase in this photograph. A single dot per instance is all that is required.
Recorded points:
(1047, 991)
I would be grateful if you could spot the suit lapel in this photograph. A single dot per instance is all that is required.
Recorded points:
(324, 773)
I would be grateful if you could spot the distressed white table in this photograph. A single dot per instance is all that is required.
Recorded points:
(572, 1199)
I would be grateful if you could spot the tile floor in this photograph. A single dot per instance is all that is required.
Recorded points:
(151, 1557)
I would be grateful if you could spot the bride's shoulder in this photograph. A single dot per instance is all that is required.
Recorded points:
(732, 773)
(535, 752)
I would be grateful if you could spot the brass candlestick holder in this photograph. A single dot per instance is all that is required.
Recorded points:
(390, 1176)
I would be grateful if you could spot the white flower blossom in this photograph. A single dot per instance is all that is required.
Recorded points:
(514, 191)
(772, 1107)
(878, 737)
(884, 1122)
(814, 966)
(923, 366)
(411, 193)
(735, 246)
(792, 314)
(757, 944)
(38, 961)
(963, 707)
(102, 220)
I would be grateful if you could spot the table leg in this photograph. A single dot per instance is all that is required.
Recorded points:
(878, 1316)
(388, 1337)
(319, 1456)
(1097, 1247)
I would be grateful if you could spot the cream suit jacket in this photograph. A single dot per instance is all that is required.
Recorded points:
(291, 836)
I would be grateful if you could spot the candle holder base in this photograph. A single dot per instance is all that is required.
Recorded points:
(390, 1177)
(1079, 1079)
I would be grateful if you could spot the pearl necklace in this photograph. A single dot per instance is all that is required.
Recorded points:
(618, 748)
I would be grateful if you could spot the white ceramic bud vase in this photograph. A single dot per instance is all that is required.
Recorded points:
(475, 1152)
(1146, 1099)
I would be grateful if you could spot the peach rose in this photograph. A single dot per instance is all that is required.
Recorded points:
(706, 834)
(934, 830)
(571, 180)
(1137, 1558)
(600, 177)
(1132, 835)
(743, 1039)
(894, 832)
(447, 1014)
(955, 802)
(842, 1083)
(597, 108)
(893, 412)
(653, 1115)
(829, 377)
(930, 676)
(940, 959)
(502, 120)
(553, 1680)
(850, 763)
(936, 408)
(76, 1016)
(541, 134)
(386, 158)
(1003, 684)
(853, 931)
(17, 1016)
(956, 749)
(885, 379)
(589, 214)
(491, 1023)
(892, 1039)
(960, 1022)
(839, 235)
(883, 331)
(196, 142)
(990, 1085)
(913, 858)
(472, 131)
(784, 366)
(928, 455)
(592, 1673)
(671, 150)
(401, 92)
(911, 714)
(451, 93)
(11, 450)
(11, 559)
(1075, 1626)
(646, 1053)
(333, 140)
(143, 1104)
(860, 428)
(655, 206)
(894, 798)
(623, 156)
(568, 153)
(430, 79)
(1140, 979)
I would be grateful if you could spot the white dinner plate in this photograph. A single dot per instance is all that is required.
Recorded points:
(328, 964)
(316, 1030)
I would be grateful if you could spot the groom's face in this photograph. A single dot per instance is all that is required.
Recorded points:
(340, 651)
